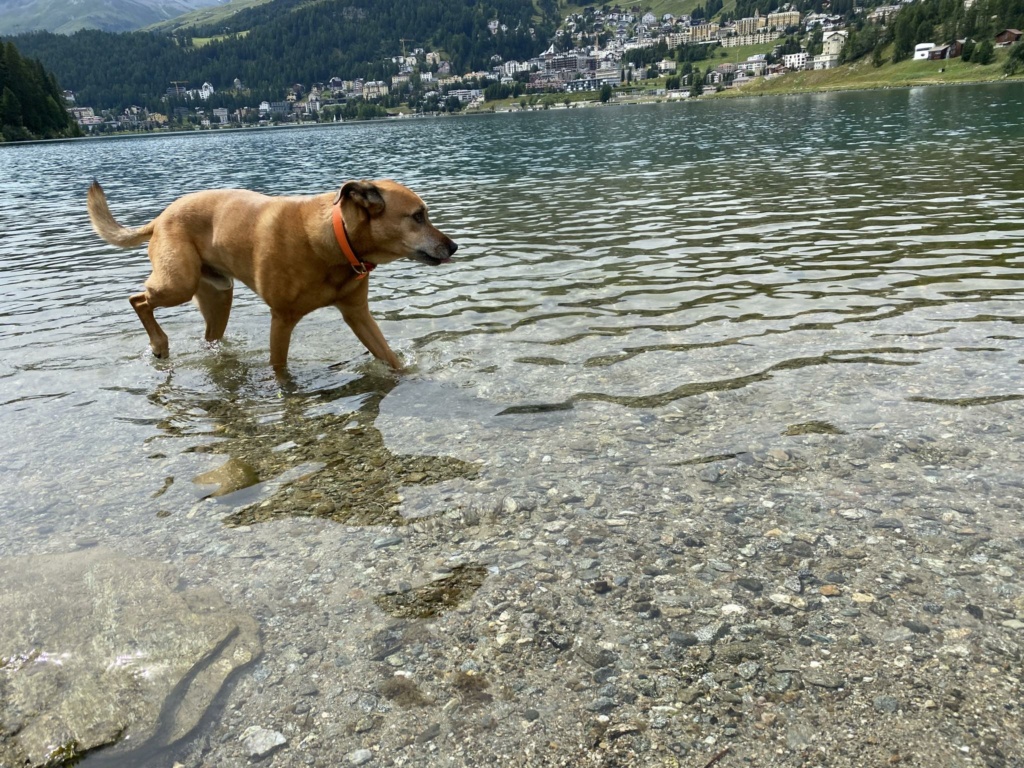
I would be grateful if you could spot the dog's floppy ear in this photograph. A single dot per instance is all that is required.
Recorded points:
(363, 193)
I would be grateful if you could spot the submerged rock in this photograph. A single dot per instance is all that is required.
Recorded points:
(233, 475)
(260, 742)
(96, 648)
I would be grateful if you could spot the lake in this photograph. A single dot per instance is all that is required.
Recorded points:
(647, 303)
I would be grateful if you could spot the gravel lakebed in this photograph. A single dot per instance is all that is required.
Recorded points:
(636, 596)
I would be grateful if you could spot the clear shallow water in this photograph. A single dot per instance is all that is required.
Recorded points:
(737, 321)
(851, 258)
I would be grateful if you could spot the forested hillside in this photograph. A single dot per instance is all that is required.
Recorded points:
(31, 106)
(288, 41)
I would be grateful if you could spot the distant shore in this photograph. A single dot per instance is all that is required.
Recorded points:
(860, 76)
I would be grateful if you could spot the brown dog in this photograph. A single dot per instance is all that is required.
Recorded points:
(297, 253)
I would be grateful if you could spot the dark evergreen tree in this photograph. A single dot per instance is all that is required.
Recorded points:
(30, 100)
(984, 53)
(1015, 62)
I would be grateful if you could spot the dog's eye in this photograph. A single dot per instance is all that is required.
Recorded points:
(419, 217)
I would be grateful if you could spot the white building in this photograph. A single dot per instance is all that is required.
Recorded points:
(921, 51)
(206, 91)
(795, 61)
(512, 67)
(832, 42)
(466, 95)
(755, 66)
(375, 89)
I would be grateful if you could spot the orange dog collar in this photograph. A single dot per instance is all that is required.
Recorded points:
(360, 267)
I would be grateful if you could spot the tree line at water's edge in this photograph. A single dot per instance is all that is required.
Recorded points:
(31, 104)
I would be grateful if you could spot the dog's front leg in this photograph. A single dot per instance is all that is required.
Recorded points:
(356, 311)
(281, 327)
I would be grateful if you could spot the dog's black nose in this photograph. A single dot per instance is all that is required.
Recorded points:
(452, 247)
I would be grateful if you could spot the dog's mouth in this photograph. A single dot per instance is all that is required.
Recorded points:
(425, 258)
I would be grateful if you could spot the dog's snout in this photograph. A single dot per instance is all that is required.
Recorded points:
(452, 247)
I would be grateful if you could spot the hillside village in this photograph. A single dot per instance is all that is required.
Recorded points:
(607, 52)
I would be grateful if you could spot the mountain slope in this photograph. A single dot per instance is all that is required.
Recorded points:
(66, 16)
(205, 16)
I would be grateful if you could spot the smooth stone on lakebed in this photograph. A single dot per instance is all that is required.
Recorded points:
(93, 645)
(233, 475)
(260, 742)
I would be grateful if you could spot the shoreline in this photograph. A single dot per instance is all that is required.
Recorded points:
(741, 92)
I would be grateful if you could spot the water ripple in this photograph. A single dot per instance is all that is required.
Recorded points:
(782, 250)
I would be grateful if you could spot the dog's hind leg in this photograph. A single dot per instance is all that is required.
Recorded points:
(213, 297)
(174, 281)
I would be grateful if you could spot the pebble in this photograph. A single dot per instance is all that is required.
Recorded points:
(748, 670)
(794, 585)
(791, 601)
(359, 757)
(260, 742)
(596, 656)
(824, 681)
(683, 638)
(751, 585)
(428, 734)
(689, 695)
(781, 682)
(711, 474)
(886, 704)
(709, 633)
(604, 705)
(891, 523)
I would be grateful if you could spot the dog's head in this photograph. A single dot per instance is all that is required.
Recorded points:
(392, 224)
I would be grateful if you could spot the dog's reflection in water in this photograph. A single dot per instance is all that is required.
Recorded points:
(325, 436)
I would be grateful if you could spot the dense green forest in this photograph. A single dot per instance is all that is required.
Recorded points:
(31, 106)
(939, 22)
(286, 41)
(943, 21)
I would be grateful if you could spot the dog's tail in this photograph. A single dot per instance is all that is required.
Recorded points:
(107, 227)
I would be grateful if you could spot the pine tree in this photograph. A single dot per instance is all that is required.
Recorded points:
(30, 100)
